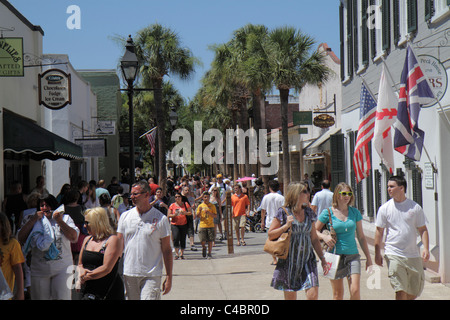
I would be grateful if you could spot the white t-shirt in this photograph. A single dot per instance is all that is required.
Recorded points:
(322, 200)
(401, 220)
(271, 202)
(142, 236)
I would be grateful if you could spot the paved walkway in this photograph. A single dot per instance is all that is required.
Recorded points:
(246, 275)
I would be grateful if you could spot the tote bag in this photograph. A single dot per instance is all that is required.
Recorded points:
(333, 263)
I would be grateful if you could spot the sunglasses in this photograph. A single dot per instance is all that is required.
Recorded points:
(346, 193)
(86, 222)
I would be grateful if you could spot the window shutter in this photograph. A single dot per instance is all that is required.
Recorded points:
(341, 21)
(337, 159)
(377, 177)
(429, 4)
(369, 186)
(365, 32)
(373, 33)
(417, 186)
(349, 37)
(386, 33)
(412, 16)
(355, 34)
(448, 2)
(396, 21)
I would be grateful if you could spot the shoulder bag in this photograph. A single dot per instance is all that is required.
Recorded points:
(329, 231)
(279, 247)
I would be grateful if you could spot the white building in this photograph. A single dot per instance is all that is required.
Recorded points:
(365, 43)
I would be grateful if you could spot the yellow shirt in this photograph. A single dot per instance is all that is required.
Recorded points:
(10, 255)
(206, 219)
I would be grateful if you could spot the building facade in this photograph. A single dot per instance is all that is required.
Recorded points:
(377, 33)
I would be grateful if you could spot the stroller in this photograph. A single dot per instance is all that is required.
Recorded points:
(253, 223)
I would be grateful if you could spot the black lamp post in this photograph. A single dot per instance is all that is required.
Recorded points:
(130, 66)
(173, 117)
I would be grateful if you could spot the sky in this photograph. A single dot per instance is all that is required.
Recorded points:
(199, 24)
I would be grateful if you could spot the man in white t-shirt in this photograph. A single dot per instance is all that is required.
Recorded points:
(322, 199)
(270, 204)
(146, 235)
(403, 219)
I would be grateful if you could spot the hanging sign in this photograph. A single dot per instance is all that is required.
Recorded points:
(324, 121)
(437, 76)
(54, 89)
(11, 57)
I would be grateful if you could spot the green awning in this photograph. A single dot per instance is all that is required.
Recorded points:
(21, 135)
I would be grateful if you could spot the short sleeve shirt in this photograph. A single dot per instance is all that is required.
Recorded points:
(10, 255)
(239, 204)
(345, 230)
(142, 236)
(206, 220)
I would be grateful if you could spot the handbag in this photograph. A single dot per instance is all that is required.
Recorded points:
(331, 232)
(279, 247)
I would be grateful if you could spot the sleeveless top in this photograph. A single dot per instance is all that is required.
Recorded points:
(100, 287)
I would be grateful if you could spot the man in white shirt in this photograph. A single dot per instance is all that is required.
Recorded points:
(146, 235)
(403, 219)
(322, 199)
(270, 204)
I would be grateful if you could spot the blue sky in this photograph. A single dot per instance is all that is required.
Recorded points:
(199, 23)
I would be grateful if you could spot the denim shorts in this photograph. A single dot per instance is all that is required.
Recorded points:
(348, 264)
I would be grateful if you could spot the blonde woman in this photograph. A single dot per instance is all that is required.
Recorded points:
(347, 224)
(99, 259)
(299, 270)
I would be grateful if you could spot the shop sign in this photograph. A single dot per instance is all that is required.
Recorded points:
(324, 121)
(55, 89)
(437, 76)
(92, 147)
(11, 57)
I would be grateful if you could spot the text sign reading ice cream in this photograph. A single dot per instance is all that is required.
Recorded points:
(55, 89)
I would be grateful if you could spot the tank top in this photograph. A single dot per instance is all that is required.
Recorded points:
(100, 287)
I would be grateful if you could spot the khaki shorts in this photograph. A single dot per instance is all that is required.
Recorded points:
(206, 234)
(406, 274)
(239, 222)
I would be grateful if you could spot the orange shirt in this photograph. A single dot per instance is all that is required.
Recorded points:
(239, 204)
(179, 220)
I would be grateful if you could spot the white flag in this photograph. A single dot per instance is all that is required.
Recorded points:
(386, 116)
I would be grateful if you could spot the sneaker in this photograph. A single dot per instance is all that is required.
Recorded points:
(204, 252)
(193, 248)
(209, 256)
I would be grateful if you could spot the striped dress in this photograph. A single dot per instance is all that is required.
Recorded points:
(299, 270)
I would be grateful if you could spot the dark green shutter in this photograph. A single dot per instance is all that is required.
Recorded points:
(365, 32)
(350, 37)
(378, 187)
(342, 33)
(429, 4)
(373, 33)
(369, 186)
(396, 10)
(355, 34)
(412, 16)
(386, 33)
(337, 159)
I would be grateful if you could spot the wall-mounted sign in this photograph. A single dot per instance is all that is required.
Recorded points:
(11, 57)
(92, 147)
(106, 127)
(437, 76)
(324, 121)
(302, 118)
(55, 89)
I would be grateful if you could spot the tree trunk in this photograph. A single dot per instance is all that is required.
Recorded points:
(284, 98)
(161, 134)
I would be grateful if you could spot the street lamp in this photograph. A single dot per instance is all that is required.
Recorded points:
(173, 117)
(130, 66)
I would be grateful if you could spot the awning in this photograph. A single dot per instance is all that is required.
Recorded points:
(322, 139)
(21, 135)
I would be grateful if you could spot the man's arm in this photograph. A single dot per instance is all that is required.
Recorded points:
(378, 241)
(423, 231)
(168, 263)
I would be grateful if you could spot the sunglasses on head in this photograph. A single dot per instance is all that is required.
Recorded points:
(344, 193)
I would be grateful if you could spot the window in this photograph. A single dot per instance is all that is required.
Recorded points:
(436, 10)
(405, 19)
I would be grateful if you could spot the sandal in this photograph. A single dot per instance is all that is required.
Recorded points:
(177, 257)
(182, 257)
(243, 243)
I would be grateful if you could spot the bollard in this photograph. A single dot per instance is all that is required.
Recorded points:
(229, 223)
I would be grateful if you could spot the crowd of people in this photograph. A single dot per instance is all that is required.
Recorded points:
(123, 239)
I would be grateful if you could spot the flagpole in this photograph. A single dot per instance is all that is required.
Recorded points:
(397, 89)
(147, 132)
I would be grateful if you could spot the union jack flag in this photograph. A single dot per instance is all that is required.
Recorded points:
(414, 92)
(151, 140)
(361, 157)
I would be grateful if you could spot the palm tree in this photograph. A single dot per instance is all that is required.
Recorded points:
(293, 65)
(161, 54)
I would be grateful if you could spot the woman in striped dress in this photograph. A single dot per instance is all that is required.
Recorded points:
(299, 270)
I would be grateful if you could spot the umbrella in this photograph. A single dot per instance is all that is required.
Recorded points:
(245, 179)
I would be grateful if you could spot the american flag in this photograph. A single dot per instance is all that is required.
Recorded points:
(361, 157)
(414, 91)
(151, 135)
